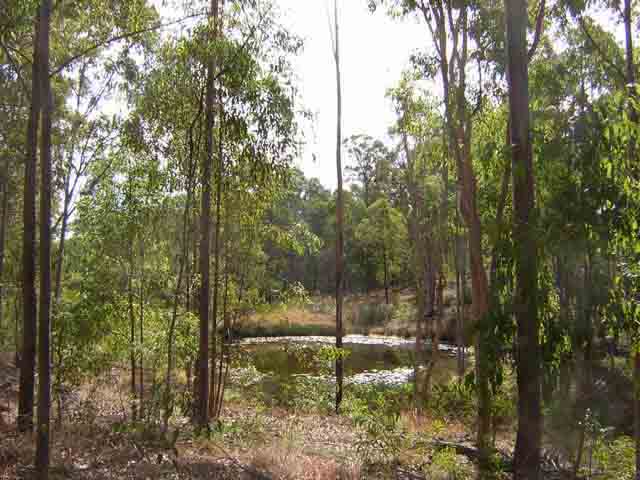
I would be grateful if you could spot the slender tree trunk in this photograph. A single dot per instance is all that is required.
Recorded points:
(386, 276)
(44, 331)
(183, 264)
(16, 332)
(528, 442)
(459, 126)
(27, 365)
(202, 402)
(132, 338)
(63, 237)
(4, 219)
(460, 300)
(339, 212)
(215, 388)
(141, 300)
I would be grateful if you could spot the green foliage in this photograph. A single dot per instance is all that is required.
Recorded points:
(615, 458)
(382, 233)
(446, 464)
(454, 400)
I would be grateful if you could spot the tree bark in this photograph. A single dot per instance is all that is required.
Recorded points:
(132, 338)
(44, 331)
(215, 388)
(29, 298)
(141, 325)
(202, 401)
(339, 212)
(386, 276)
(4, 219)
(528, 442)
(63, 237)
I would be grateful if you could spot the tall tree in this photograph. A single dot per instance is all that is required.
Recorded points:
(202, 399)
(44, 327)
(339, 209)
(29, 299)
(527, 453)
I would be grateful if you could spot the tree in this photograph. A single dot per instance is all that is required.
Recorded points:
(44, 327)
(202, 400)
(382, 233)
(527, 454)
(29, 300)
(335, 36)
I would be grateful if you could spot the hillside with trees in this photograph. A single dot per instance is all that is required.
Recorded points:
(180, 299)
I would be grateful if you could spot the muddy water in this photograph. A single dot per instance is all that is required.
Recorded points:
(370, 359)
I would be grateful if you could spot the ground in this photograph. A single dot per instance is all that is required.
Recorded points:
(96, 440)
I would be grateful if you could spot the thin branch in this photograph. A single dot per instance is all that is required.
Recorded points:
(603, 55)
(117, 38)
(539, 29)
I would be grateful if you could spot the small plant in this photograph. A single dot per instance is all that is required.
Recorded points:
(447, 465)
(615, 459)
(376, 411)
(457, 398)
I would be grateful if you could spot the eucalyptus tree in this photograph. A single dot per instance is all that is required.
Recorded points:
(383, 233)
(528, 443)
(420, 128)
(44, 321)
(450, 28)
(66, 47)
(335, 38)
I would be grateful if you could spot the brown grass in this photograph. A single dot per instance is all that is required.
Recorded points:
(286, 461)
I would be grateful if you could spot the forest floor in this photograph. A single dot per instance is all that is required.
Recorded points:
(97, 440)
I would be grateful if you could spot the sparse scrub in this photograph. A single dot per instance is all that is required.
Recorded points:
(447, 465)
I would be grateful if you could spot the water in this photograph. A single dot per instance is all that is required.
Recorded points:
(386, 360)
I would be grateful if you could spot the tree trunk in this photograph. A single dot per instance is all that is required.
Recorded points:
(459, 127)
(63, 236)
(4, 219)
(132, 338)
(386, 277)
(528, 442)
(27, 365)
(460, 260)
(216, 385)
(202, 401)
(339, 212)
(141, 300)
(183, 265)
(44, 331)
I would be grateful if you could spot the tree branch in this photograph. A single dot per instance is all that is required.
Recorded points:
(539, 29)
(603, 55)
(117, 38)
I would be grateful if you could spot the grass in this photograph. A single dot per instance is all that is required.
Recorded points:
(281, 322)
(363, 315)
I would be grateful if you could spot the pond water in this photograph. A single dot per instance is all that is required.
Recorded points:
(386, 360)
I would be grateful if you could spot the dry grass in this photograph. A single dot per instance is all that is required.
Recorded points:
(294, 316)
(285, 460)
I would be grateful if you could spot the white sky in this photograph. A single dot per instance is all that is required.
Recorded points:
(375, 50)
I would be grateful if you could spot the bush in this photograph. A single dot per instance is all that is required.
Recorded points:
(367, 315)
(454, 398)
(615, 459)
(404, 313)
(447, 465)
